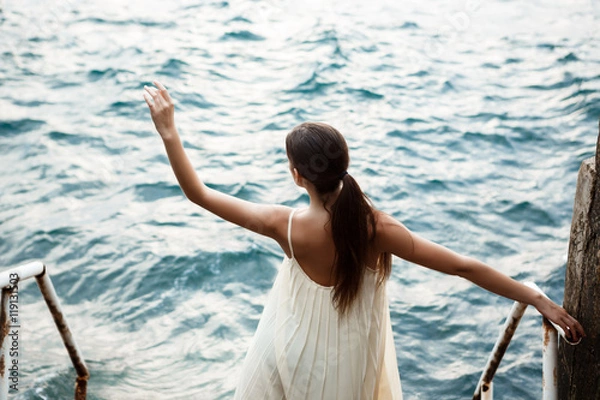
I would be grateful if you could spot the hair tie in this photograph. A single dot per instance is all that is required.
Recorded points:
(343, 174)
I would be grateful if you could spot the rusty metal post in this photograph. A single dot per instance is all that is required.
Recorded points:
(53, 304)
(550, 361)
(4, 356)
(22, 272)
(487, 391)
(506, 334)
(8, 279)
(551, 332)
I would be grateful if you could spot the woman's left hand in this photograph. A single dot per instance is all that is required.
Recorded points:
(162, 109)
(555, 313)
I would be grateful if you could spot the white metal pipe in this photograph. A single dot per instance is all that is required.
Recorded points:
(560, 330)
(10, 278)
(21, 272)
(5, 339)
(504, 338)
(53, 303)
(550, 361)
(487, 391)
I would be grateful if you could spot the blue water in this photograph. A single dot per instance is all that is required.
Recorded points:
(466, 120)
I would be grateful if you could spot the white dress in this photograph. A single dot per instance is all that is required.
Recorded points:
(303, 349)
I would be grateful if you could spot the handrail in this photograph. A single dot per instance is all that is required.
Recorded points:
(9, 280)
(484, 389)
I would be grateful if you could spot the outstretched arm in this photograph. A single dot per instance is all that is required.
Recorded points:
(395, 238)
(263, 219)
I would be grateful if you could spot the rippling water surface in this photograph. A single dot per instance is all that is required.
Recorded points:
(467, 120)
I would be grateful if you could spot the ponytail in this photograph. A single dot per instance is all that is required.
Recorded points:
(353, 227)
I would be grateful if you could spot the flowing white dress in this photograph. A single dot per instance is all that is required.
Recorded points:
(303, 348)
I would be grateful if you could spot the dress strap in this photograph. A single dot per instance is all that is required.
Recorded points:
(289, 233)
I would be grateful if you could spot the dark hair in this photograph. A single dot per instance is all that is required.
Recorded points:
(320, 154)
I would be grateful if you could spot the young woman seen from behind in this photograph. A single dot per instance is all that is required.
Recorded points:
(325, 331)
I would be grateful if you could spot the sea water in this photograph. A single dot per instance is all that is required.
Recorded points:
(467, 121)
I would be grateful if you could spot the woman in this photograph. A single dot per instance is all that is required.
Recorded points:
(325, 331)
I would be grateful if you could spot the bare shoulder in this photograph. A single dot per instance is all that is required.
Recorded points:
(392, 236)
(385, 223)
(278, 220)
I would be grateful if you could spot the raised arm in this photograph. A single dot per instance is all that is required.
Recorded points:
(267, 220)
(395, 238)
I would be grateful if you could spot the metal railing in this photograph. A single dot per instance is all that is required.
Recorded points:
(9, 280)
(485, 389)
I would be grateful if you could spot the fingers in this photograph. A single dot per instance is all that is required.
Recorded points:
(566, 324)
(569, 334)
(163, 90)
(155, 95)
(148, 100)
(576, 330)
(573, 329)
(152, 91)
(157, 99)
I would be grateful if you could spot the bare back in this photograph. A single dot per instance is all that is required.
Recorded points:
(313, 245)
